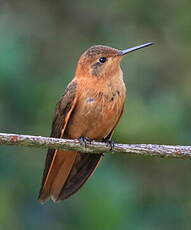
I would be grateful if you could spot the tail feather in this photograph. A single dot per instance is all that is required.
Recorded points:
(66, 173)
(63, 167)
(57, 174)
(84, 167)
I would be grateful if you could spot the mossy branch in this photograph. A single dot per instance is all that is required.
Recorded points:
(96, 147)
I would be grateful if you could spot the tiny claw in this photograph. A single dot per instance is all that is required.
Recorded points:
(84, 141)
(109, 143)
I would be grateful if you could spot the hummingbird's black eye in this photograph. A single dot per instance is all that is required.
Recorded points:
(102, 59)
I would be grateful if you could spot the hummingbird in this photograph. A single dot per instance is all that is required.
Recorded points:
(89, 109)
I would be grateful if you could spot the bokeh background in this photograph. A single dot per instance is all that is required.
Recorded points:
(40, 43)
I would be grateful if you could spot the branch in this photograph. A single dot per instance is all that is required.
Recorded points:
(96, 147)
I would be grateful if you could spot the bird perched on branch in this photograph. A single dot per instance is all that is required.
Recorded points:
(90, 109)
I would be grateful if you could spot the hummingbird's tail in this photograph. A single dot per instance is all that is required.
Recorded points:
(66, 173)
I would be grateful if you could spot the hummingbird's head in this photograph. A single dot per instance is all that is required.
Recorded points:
(102, 61)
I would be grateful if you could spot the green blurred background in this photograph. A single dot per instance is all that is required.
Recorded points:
(40, 43)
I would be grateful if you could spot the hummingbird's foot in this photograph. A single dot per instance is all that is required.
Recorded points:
(109, 143)
(84, 141)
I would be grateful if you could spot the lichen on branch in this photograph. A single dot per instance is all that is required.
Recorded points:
(176, 151)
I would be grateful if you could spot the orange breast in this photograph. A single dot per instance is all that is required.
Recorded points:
(97, 111)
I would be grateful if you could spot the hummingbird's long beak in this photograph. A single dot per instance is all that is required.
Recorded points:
(129, 50)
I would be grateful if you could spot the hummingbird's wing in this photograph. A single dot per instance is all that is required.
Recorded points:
(65, 171)
(59, 163)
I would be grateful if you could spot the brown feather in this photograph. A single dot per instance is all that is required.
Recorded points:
(63, 110)
(84, 166)
(58, 173)
(62, 165)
